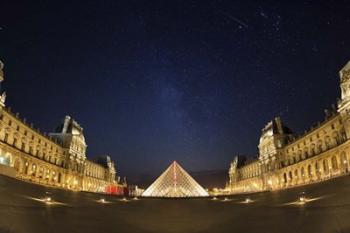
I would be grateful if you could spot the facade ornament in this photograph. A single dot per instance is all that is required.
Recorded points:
(1, 71)
(344, 76)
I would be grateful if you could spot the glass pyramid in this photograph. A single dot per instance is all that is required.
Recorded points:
(175, 182)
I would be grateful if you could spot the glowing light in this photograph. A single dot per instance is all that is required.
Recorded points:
(269, 182)
(135, 198)
(124, 199)
(247, 200)
(302, 198)
(102, 200)
(169, 185)
(214, 198)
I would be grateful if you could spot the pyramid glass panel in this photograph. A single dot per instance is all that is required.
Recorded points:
(175, 182)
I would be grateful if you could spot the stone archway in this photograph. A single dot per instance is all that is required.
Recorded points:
(17, 165)
(5, 159)
(34, 169)
(309, 172)
(344, 161)
(334, 163)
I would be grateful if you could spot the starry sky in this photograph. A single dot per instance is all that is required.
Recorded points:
(157, 81)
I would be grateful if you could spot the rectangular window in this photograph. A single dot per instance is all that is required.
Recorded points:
(6, 137)
(14, 141)
(23, 146)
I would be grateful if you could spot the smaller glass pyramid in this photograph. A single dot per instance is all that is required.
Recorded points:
(175, 182)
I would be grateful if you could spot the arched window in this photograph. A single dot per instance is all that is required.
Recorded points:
(344, 161)
(33, 169)
(327, 141)
(17, 165)
(336, 138)
(306, 152)
(59, 178)
(312, 150)
(309, 170)
(325, 166)
(296, 173)
(317, 168)
(334, 163)
(319, 146)
(300, 155)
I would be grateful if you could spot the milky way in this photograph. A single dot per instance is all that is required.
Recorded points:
(157, 81)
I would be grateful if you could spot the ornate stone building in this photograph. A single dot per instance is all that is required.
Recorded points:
(55, 159)
(286, 160)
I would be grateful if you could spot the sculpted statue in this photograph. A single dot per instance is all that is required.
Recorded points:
(233, 166)
(1, 72)
(344, 75)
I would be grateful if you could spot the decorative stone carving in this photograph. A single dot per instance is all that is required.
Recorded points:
(344, 75)
(1, 72)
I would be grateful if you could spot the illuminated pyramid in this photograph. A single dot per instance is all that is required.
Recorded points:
(175, 182)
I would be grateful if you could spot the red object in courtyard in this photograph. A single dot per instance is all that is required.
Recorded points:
(115, 190)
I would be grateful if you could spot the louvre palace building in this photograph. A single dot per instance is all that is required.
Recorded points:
(56, 159)
(286, 160)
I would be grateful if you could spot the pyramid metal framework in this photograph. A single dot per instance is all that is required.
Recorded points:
(175, 182)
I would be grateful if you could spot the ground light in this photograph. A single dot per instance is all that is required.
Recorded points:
(248, 200)
(302, 198)
(135, 198)
(48, 198)
(214, 198)
(102, 200)
(124, 199)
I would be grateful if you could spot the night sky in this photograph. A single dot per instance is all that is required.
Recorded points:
(156, 81)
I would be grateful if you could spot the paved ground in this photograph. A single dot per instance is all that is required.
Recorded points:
(22, 211)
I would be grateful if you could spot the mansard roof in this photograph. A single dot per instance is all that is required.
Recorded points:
(276, 126)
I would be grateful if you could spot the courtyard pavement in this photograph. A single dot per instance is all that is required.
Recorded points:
(22, 210)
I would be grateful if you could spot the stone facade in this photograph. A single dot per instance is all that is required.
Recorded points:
(55, 159)
(286, 160)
